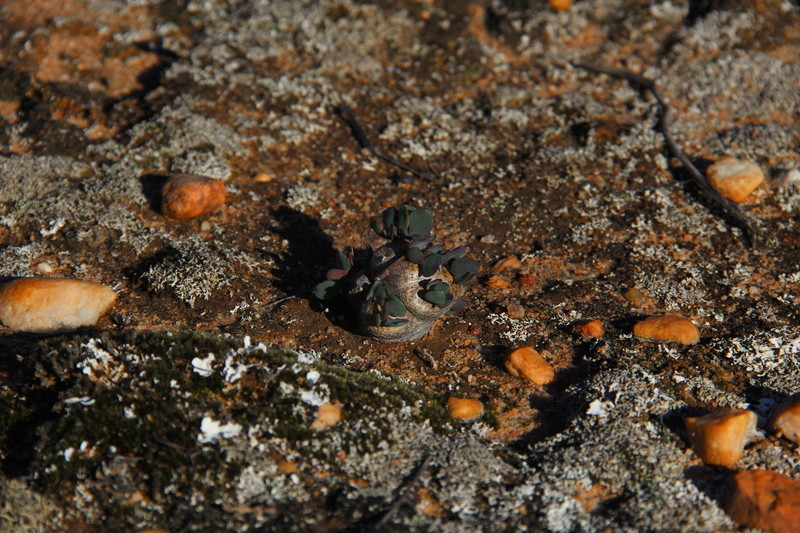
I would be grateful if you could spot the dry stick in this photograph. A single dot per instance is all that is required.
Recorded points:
(402, 491)
(344, 111)
(726, 206)
(280, 300)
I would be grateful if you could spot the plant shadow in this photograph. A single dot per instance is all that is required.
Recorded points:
(307, 255)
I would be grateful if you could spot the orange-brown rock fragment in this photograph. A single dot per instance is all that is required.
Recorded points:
(667, 328)
(507, 263)
(515, 311)
(718, 438)
(529, 364)
(8, 110)
(735, 179)
(464, 408)
(560, 5)
(287, 467)
(786, 419)
(328, 415)
(284, 465)
(764, 500)
(428, 504)
(635, 296)
(45, 305)
(590, 330)
(188, 196)
(263, 177)
(497, 282)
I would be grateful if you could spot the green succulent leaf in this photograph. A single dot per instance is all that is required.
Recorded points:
(342, 261)
(377, 228)
(458, 306)
(438, 298)
(388, 216)
(395, 322)
(327, 290)
(380, 296)
(454, 254)
(395, 306)
(415, 255)
(401, 219)
(435, 249)
(430, 265)
(372, 290)
(439, 285)
(420, 241)
(420, 221)
(462, 269)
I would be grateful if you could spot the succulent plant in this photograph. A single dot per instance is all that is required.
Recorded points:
(402, 288)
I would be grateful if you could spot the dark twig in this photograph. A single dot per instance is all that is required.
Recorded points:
(344, 111)
(403, 490)
(280, 300)
(731, 210)
(426, 357)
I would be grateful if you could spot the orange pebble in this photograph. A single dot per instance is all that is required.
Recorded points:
(188, 196)
(328, 415)
(735, 179)
(765, 500)
(44, 305)
(560, 5)
(529, 364)
(635, 296)
(667, 328)
(287, 467)
(526, 280)
(718, 438)
(592, 329)
(786, 419)
(498, 282)
(506, 263)
(284, 465)
(515, 311)
(464, 408)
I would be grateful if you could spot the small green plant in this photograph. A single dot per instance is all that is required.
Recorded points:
(402, 288)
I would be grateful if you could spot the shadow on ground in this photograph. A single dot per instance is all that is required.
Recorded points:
(308, 254)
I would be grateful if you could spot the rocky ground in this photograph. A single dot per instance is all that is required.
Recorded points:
(133, 426)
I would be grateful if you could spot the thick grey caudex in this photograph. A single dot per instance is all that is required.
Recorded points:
(401, 289)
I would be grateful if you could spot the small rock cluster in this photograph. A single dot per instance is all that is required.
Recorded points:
(756, 498)
(53, 305)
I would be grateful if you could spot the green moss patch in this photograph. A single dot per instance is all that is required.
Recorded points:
(123, 413)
